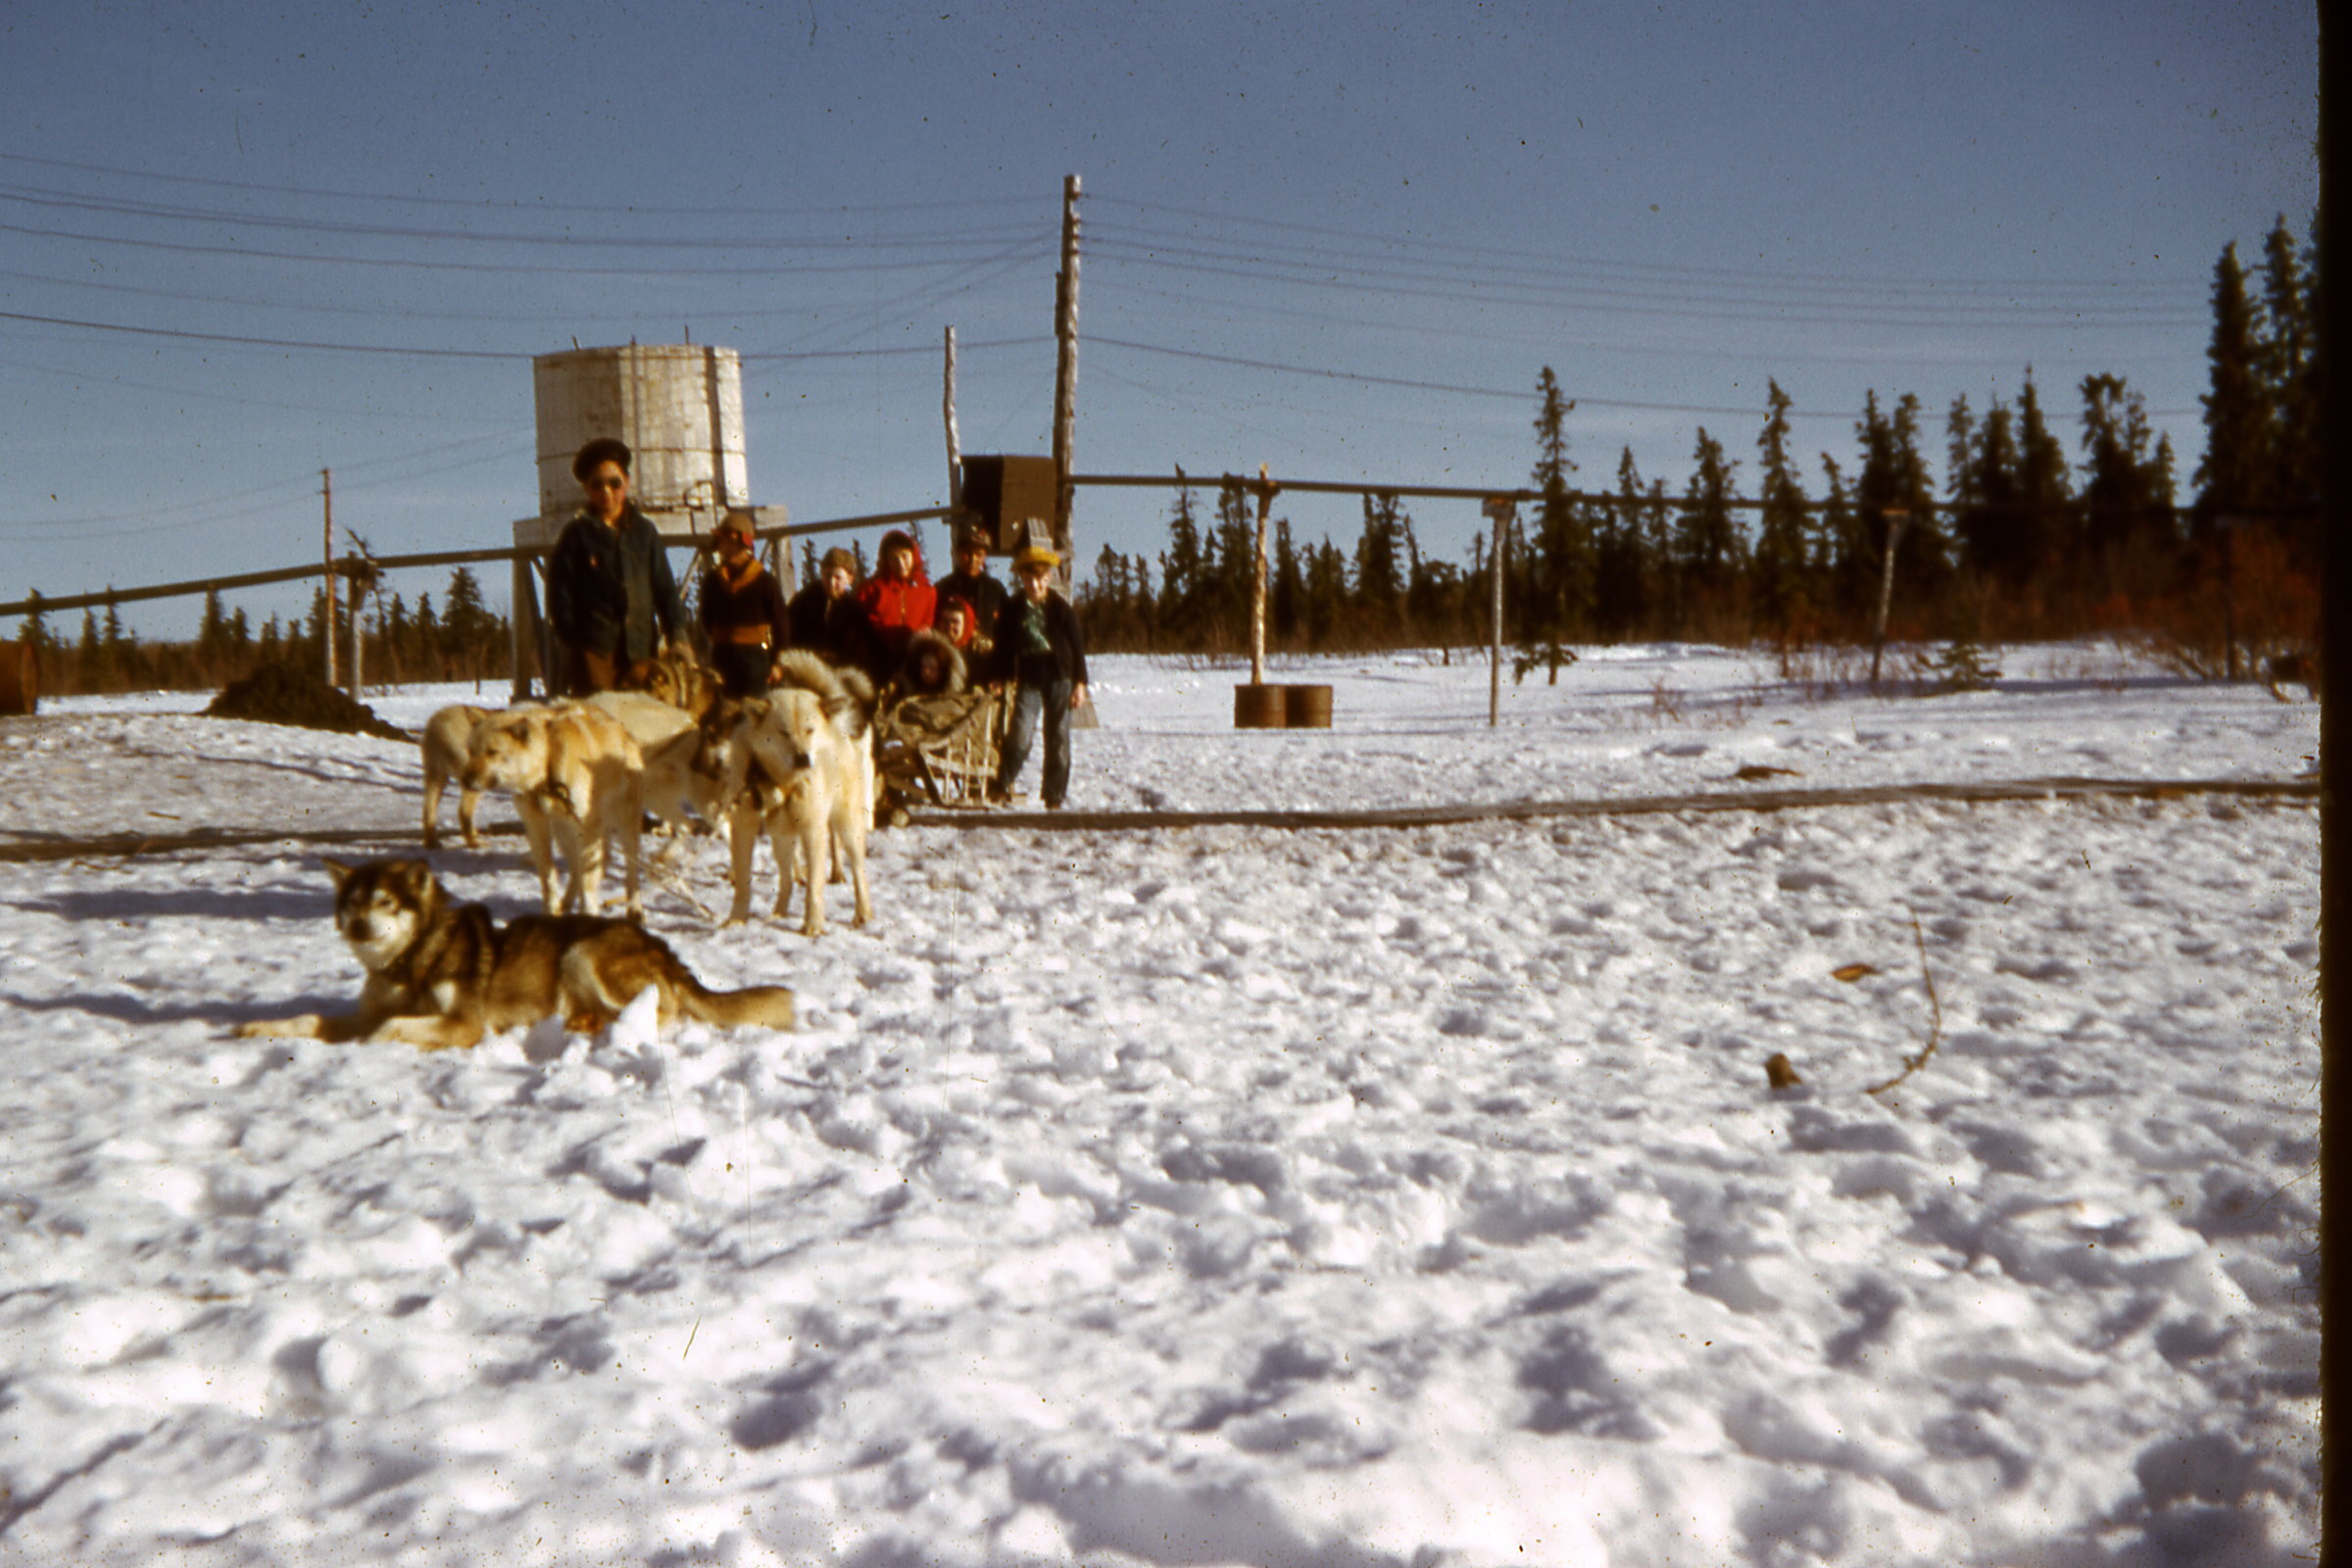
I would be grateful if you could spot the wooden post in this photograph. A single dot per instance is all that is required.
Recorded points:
(1066, 371)
(2229, 527)
(1897, 516)
(522, 632)
(1257, 583)
(1502, 510)
(947, 409)
(358, 595)
(327, 626)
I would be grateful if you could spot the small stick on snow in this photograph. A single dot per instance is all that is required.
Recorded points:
(1912, 1064)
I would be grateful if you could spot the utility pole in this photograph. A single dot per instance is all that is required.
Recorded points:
(327, 626)
(947, 409)
(1897, 516)
(1502, 509)
(1065, 373)
(359, 598)
(1257, 582)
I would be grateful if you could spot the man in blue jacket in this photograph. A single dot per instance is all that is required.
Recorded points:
(610, 597)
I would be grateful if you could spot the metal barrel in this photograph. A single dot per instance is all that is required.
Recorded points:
(1258, 708)
(1306, 707)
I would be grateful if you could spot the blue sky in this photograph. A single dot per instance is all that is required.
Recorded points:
(1339, 239)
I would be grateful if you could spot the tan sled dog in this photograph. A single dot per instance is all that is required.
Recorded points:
(446, 735)
(572, 768)
(442, 975)
(669, 747)
(789, 764)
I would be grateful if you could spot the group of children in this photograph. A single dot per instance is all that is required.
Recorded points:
(610, 597)
(917, 638)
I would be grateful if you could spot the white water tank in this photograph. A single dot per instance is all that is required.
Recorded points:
(679, 407)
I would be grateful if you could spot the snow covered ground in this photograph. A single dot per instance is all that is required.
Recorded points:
(1215, 1196)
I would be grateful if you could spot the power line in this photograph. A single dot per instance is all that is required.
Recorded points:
(64, 201)
(1429, 326)
(1484, 254)
(1523, 395)
(397, 350)
(281, 494)
(1565, 298)
(496, 205)
(84, 374)
(534, 268)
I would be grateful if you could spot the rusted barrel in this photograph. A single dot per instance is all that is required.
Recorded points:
(19, 679)
(1306, 707)
(1258, 708)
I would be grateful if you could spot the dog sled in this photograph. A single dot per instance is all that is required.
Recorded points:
(940, 749)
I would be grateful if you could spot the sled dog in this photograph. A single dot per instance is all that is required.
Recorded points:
(682, 681)
(791, 765)
(668, 742)
(443, 974)
(446, 735)
(849, 696)
(571, 769)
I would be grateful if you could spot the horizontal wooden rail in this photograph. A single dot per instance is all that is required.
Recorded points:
(2305, 791)
(1610, 498)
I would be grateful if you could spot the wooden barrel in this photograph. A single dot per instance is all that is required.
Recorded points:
(1306, 707)
(1258, 708)
(19, 679)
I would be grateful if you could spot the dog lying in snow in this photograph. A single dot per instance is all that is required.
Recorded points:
(442, 975)
(446, 736)
(800, 761)
(577, 776)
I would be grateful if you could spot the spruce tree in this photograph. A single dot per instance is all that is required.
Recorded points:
(2241, 452)
(212, 631)
(1782, 603)
(469, 631)
(1989, 522)
(2127, 489)
(1708, 545)
(2289, 337)
(1326, 593)
(1379, 560)
(1844, 549)
(1289, 589)
(1550, 596)
(1620, 590)
(1180, 570)
(2049, 535)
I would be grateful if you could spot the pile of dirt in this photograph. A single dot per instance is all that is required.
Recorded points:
(277, 695)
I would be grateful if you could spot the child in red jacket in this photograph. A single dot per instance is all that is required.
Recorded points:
(899, 601)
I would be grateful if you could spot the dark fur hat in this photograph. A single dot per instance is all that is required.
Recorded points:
(599, 452)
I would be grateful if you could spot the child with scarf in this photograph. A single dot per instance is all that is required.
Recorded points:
(743, 613)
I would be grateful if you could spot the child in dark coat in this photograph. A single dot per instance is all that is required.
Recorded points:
(743, 613)
(1039, 647)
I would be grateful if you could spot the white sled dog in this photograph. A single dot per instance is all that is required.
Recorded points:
(446, 735)
(679, 786)
(572, 768)
(799, 763)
